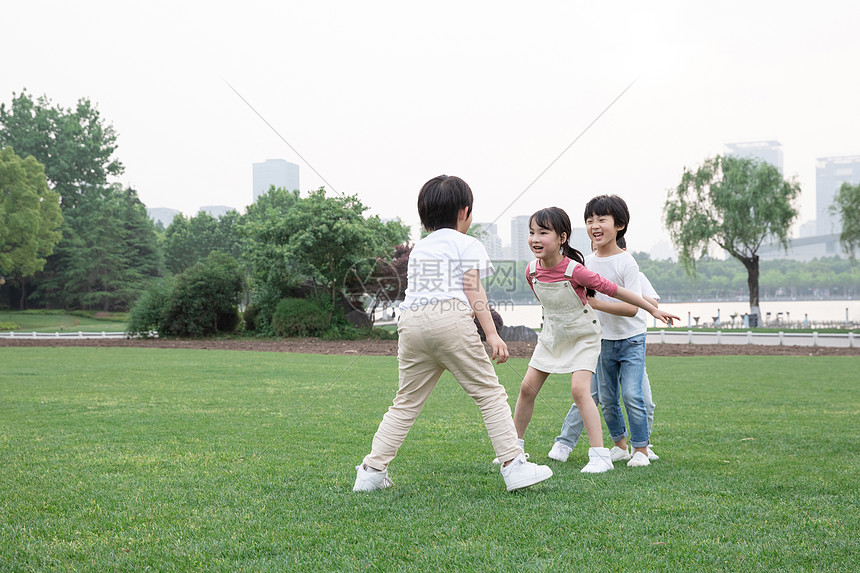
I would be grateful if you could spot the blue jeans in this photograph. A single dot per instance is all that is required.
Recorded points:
(620, 370)
(649, 401)
(571, 429)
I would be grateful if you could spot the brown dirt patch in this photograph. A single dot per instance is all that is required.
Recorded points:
(389, 347)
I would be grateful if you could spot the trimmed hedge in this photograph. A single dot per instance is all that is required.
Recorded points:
(299, 317)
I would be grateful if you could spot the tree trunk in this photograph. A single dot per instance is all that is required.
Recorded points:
(22, 305)
(751, 263)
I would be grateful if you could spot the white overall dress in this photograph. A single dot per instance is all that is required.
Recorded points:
(570, 337)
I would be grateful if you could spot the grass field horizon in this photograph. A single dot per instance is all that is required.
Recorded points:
(135, 459)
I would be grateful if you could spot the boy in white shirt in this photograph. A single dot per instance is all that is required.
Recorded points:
(622, 353)
(436, 332)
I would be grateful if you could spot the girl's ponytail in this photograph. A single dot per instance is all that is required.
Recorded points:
(573, 254)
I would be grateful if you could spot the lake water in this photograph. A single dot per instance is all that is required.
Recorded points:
(818, 312)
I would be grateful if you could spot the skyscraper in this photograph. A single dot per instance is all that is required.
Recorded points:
(768, 151)
(275, 172)
(488, 234)
(830, 174)
(520, 238)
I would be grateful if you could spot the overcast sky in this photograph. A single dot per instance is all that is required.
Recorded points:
(379, 97)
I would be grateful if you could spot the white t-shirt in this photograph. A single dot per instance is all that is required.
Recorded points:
(647, 290)
(623, 271)
(437, 265)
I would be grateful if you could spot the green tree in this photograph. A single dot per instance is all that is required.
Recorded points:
(109, 249)
(267, 233)
(735, 203)
(30, 217)
(847, 205)
(74, 145)
(108, 254)
(189, 241)
(316, 239)
(330, 236)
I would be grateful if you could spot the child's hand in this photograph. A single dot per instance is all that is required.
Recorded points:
(664, 316)
(500, 349)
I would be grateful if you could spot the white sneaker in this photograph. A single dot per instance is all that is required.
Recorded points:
(638, 460)
(559, 452)
(599, 461)
(521, 473)
(370, 479)
(651, 455)
(619, 455)
(522, 444)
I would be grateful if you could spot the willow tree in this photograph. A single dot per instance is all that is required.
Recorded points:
(736, 203)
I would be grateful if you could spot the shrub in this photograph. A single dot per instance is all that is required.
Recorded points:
(8, 326)
(299, 317)
(204, 300)
(265, 298)
(147, 313)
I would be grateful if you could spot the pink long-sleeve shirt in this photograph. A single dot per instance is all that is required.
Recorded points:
(581, 279)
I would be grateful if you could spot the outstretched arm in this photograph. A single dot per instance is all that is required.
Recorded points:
(616, 308)
(629, 296)
(478, 300)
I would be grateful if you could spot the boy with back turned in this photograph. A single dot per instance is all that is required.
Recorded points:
(437, 332)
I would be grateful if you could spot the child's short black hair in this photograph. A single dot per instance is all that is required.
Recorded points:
(441, 199)
(609, 205)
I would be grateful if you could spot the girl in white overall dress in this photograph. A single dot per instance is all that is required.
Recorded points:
(570, 338)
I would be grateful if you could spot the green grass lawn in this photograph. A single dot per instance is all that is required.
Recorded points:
(60, 321)
(189, 460)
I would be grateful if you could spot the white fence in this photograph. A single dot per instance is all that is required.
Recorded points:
(62, 335)
(847, 340)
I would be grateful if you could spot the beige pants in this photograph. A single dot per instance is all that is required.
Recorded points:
(432, 339)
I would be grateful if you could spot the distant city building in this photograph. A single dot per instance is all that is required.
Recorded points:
(768, 151)
(488, 234)
(830, 174)
(162, 215)
(804, 249)
(216, 211)
(808, 229)
(520, 238)
(277, 172)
